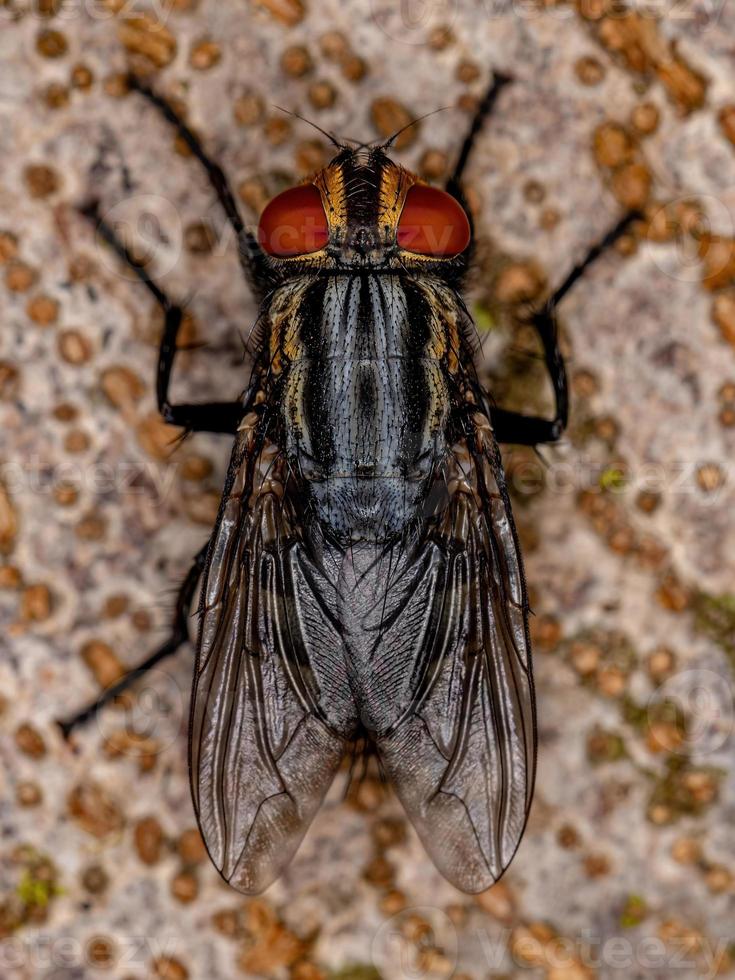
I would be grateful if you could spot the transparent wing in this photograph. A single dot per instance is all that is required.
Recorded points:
(261, 753)
(461, 756)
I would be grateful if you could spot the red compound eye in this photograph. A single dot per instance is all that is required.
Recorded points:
(432, 223)
(294, 223)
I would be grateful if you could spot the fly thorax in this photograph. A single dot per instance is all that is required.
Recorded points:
(366, 400)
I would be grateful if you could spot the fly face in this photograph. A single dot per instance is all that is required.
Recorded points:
(364, 212)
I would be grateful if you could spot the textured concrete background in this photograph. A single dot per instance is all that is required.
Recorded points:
(627, 867)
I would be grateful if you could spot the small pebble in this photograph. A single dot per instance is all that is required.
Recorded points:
(74, 347)
(723, 315)
(296, 61)
(184, 887)
(393, 902)
(440, 37)
(66, 494)
(254, 193)
(43, 310)
(41, 180)
(645, 118)
(248, 108)
(354, 68)
(168, 968)
(433, 164)
(322, 94)
(589, 70)
(35, 603)
(631, 185)
(519, 282)
(388, 116)
(196, 468)
(91, 527)
(56, 96)
(103, 662)
(288, 12)
(277, 129)
(190, 847)
(148, 39)
(468, 72)
(719, 879)
(82, 77)
(77, 441)
(19, 277)
(311, 156)
(334, 46)
(92, 807)
(379, 872)
(686, 850)
(9, 381)
(100, 953)
(10, 577)
(534, 191)
(51, 44)
(122, 386)
(205, 54)
(29, 741)
(200, 238)
(8, 246)
(726, 117)
(28, 794)
(710, 477)
(148, 839)
(95, 879)
(612, 146)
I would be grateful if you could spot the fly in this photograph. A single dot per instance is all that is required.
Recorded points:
(363, 580)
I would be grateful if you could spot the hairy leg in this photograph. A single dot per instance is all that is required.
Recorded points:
(222, 417)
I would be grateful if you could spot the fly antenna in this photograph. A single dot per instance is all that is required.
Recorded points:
(389, 142)
(330, 136)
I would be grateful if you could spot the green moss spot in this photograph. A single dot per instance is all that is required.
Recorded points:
(634, 912)
(356, 971)
(484, 320)
(714, 616)
(612, 478)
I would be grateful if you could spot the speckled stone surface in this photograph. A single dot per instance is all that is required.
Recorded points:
(628, 864)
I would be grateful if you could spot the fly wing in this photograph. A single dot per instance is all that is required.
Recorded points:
(461, 756)
(262, 755)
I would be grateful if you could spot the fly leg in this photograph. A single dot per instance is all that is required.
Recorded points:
(252, 259)
(178, 636)
(222, 417)
(482, 112)
(530, 430)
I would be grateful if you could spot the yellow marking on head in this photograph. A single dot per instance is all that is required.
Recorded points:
(331, 184)
(394, 184)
